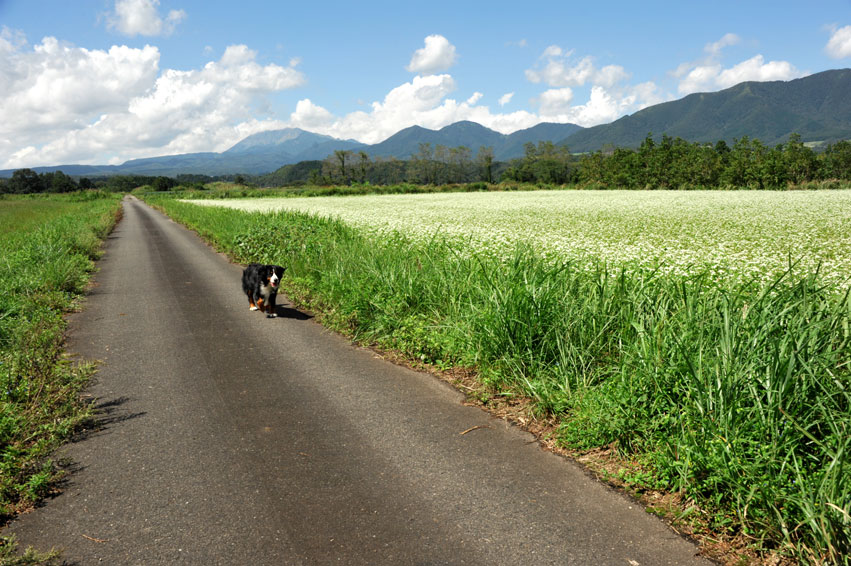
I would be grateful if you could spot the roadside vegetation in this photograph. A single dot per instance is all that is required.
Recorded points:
(734, 393)
(47, 248)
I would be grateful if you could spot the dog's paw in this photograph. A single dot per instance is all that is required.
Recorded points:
(253, 308)
(271, 315)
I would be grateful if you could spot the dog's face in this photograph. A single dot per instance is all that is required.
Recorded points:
(272, 275)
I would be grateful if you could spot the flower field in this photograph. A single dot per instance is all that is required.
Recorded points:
(742, 233)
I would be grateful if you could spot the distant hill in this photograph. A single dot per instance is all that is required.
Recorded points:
(817, 107)
(513, 145)
(258, 153)
(406, 142)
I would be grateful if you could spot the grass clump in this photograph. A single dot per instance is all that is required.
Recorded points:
(735, 393)
(10, 556)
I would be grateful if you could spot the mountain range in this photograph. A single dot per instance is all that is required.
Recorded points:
(818, 107)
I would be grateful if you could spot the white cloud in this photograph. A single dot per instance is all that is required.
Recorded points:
(437, 55)
(477, 96)
(839, 45)
(506, 98)
(712, 76)
(708, 74)
(141, 17)
(756, 69)
(556, 69)
(94, 105)
(714, 49)
(309, 116)
(554, 51)
(423, 101)
(609, 94)
(603, 106)
(109, 106)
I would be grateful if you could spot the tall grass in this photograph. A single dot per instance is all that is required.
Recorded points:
(47, 247)
(737, 394)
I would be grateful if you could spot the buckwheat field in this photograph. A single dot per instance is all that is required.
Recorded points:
(733, 234)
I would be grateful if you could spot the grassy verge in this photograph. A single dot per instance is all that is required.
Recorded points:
(223, 190)
(47, 248)
(737, 396)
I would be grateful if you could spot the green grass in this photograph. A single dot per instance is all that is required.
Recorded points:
(47, 248)
(735, 393)
(10, 555)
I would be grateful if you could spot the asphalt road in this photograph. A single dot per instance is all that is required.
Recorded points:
(230, 438)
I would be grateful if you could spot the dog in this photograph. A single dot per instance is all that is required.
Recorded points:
(260, 283)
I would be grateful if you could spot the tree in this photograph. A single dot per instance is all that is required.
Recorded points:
(60, 183)
(342, 157)
(364, 165)
(836, 161)
(440, 164)
(799, 160)
(25, 181)
(166, 183)
(484, 158)
(422, 164)
(459, 163)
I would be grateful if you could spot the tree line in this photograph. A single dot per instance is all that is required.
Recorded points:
(430, 165)
(27, 181)
(674, 163)
(671, 163)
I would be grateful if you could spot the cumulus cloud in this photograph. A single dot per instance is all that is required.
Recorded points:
(506, 98)
(709, 74)
(557, 68)
(94, 105)
(713, 76)
(310, 116)
(423, 101)
(477, 96)
(141, 17)
(714, 49)
(839, 45)
(602, 106)
(610, 95)
(437, 55)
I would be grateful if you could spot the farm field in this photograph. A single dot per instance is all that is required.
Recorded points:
(667, 327)
(732, 234)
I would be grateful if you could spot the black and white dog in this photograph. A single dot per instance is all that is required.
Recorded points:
(260, 283)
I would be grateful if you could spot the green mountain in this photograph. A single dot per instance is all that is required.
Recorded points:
(817, 107)
(405, 143)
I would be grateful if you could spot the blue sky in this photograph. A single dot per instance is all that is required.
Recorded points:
(103, 81)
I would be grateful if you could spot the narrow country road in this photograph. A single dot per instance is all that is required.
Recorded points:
(229, 438)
